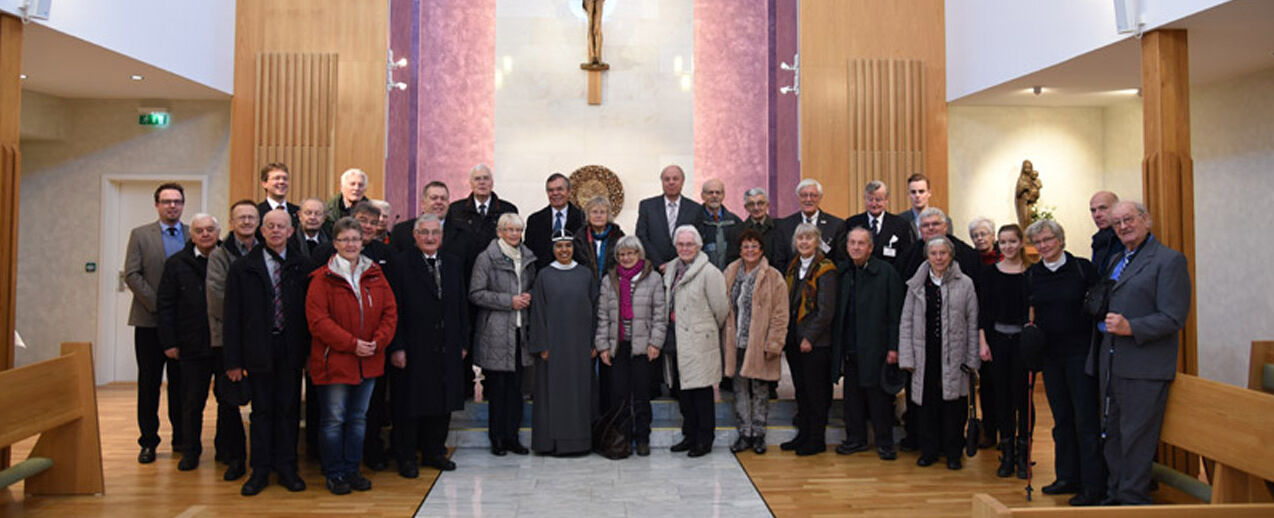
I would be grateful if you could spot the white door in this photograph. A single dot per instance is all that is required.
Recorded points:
(126, 204)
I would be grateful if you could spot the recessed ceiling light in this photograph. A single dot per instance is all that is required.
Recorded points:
(136, 77)
(22, 76)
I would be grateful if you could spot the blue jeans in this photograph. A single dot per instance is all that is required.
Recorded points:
(342, 425)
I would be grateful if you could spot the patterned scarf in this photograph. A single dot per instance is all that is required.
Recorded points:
(819, 267)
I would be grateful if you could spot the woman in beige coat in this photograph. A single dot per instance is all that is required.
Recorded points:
(753, 339)
(938, 344)
(697, 308)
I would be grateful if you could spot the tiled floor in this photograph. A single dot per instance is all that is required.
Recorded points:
(663, 485)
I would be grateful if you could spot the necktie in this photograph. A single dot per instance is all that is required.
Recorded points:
(276, 278)
(172, 231)
(433, 269)
(557, 223)
(672, 217)
(1114, 276)
(482, 209)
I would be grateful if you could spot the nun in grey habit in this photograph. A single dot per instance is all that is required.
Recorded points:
(563, 303)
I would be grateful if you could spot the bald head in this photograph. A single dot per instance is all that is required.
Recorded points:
(276, 227)
(713, 194)
(672, 177)
(1099, 207)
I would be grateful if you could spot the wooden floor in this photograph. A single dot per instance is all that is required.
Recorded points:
(823, 485)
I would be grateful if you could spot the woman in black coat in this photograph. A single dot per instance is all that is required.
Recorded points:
(1056, 287)
(811, 282)
(595, 241)
(426, 356)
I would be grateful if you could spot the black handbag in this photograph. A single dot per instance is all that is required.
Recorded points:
(609, 439)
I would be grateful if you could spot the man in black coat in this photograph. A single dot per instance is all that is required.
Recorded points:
(266, 336)
(934, 223)
(654, 227)
(435, 199)
(1105, 243)
(376, 250)
(310, 231)
(183, 325)
(809, 195)
(757, 202)
(478, 214)
(426, 357)
(891, 234)
(559, 214)
(718, 227)
(276, 180)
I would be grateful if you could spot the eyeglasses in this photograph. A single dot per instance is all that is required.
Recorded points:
(1125, 221)
(348, 240)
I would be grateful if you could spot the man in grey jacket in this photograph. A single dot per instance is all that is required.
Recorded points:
(1137, 358)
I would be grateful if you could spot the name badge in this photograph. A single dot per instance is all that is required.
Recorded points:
(825, 247)
(889, 251)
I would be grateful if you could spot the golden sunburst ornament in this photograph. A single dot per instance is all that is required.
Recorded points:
(591, 181)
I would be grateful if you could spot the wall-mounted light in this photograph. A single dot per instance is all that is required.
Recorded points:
(795, 69)
(392, 64)
(137, 77)
(1037, 90)
(684, 73)
(22, 76)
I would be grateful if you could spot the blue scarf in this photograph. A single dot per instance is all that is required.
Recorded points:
(600, 259)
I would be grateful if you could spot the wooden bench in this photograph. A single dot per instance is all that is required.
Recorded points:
(1230, 426)
(57, 400)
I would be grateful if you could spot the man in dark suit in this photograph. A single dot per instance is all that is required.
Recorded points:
(891, 235)
(657, 217)
(434, 199)
(183, 325)
(934, 223)
(559, 214)
(1105, 243)
(718, 226)
(266, 336)
(478, 213)
(367, 216)
(426, 356)
(148, 247)
(918, 193)
(310, 233)
(1137, 359)
(809, 194)
(275, 179)
(757, 202)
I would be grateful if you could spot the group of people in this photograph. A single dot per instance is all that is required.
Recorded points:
(384, 326)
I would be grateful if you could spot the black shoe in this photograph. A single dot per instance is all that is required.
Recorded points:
(1060, 487)
(440, 463)
(684, 445)
(497, 448)
(358, 482)
(256, 483)
(699, 451)
(338, 486)
(811, 449)
(887, 453)
(1085, 499)
(792, 444)
(1108, 501)
(378, 464)
(408, 469)
(643, 448)
(517, 448)
(758, 445)
(291, 481)
(1024, 459)
(741, 444)
(189, 462)
(924, 461)
(235, 471)
(1007, 460)
(954, 464)
(147, 455)
(908, 445)
(850, 448)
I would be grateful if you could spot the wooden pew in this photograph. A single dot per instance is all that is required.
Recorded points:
(57, 400)
(1262, 355)
(1231, 426)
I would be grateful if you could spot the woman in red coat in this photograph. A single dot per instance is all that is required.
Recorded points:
(352, 316)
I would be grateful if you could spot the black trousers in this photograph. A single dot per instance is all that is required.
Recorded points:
(229, 440)
(1076, 406)
(151, 364)
(1008, 375)
(377, 419)
(698, 416)
(941, 423)
(503, 391)
(629, 377)
(863, 404)
(276, 408)
(427, 434)
(811, 375)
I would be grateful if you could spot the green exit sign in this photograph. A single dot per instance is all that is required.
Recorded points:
(153, 119)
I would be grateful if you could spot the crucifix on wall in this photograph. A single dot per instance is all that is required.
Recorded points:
(594, 66)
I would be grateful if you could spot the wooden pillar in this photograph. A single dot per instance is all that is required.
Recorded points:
(1167, 176)
(10, 160)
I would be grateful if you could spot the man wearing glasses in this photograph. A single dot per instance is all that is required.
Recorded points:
(148, 247)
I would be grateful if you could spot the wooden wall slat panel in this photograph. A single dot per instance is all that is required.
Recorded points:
(886, 121)
(293, 112)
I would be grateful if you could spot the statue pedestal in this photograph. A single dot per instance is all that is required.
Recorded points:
(594, 80)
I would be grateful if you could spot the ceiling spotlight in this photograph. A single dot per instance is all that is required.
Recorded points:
(22, 76)
(1037, 89)
(136, 77)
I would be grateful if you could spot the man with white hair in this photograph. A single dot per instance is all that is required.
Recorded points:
(756, 201)
(479, 212)
(809, 195)
(934, 223)
(353, 188)
(382, 224)
(890, 233)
